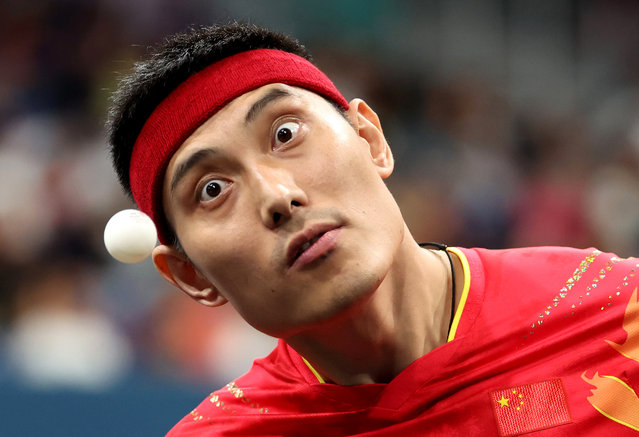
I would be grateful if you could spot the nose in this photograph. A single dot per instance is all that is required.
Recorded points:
(278, 195)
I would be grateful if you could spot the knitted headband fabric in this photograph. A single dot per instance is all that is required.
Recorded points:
(196, 100)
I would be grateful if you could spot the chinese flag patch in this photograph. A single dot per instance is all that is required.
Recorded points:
(530, 407)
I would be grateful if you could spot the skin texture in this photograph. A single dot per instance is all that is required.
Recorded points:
(287, 167)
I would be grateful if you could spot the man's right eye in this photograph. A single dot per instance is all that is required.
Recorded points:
(212, 189)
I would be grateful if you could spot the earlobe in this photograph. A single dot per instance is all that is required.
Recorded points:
(369, 128)
(176, 269)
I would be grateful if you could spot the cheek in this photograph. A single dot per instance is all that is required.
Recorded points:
(339, 162)
(227, 255)
(350, 175)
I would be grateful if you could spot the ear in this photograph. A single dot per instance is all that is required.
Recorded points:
(368, 127)
(175, 267)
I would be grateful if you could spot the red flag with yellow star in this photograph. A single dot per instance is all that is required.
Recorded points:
(530, 407)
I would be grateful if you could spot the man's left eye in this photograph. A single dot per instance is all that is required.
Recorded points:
(286, 132)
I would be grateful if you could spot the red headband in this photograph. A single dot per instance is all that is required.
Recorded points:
(197, 99)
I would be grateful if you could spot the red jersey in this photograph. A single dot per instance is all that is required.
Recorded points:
(545, 341)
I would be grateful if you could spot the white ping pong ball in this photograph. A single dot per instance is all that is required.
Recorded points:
(130, 236)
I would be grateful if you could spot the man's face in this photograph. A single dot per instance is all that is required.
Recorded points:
(279, 203)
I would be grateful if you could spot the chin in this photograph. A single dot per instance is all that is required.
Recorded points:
(346, 301)
(344, 294)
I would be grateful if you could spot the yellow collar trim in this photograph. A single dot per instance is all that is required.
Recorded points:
(465, 290)
(315, 372)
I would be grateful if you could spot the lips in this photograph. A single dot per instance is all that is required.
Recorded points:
(312, 243)
(307, 245)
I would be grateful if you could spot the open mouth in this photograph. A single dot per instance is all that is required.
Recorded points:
(307, 245)
(313, 243)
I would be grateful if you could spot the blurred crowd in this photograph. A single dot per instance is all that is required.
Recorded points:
(512, 123)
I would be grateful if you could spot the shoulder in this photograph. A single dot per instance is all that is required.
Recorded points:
(535, 261)
(537, 277)
(538, 253)
(243, 402)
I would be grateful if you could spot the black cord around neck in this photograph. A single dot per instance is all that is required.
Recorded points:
(444, 248)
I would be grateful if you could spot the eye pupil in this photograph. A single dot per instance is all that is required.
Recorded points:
(284, 134)
(213, 189)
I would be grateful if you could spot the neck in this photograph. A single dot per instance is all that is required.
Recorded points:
(407, 316)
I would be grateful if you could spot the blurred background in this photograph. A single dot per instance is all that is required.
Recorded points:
(513, 122)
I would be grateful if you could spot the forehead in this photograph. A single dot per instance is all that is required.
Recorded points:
(245, 109)
(240, 114)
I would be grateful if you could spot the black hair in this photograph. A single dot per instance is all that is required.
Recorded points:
(170, 64)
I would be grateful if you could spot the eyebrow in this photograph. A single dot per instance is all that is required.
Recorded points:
(255, 109)
(191, 162)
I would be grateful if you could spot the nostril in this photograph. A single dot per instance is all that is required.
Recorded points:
(276, 217)
(295, 203)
